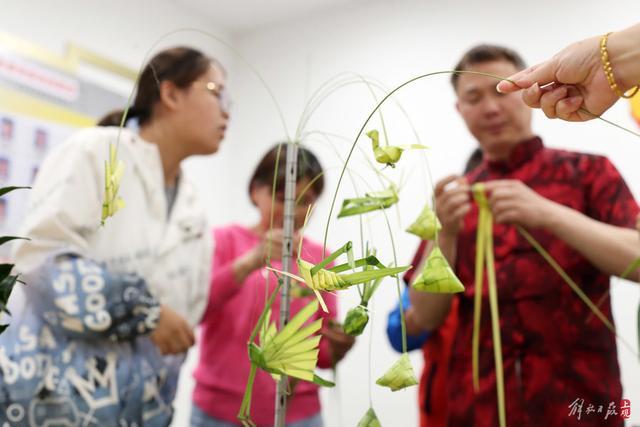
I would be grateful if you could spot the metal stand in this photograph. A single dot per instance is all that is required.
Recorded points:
(287, 250)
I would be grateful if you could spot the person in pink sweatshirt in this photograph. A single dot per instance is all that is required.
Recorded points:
(238, 295)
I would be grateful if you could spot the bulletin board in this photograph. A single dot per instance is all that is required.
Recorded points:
(43, 100)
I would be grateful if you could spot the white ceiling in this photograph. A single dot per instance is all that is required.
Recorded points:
(239, 16)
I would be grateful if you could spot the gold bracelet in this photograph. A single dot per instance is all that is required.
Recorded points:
(608, 70)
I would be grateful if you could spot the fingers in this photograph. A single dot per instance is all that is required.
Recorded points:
(556, 101)
(179, 341)
(451, 198)
(272, 243)
(507, 216)
(455, 196)
(189, 336)
(274, 235)
(452, 203)
(461, 211)
(491, 186)
(502, 200)
(187, 339)
(514, 82)
(502, 209)
(160, 340)
(171, 346)
(339, 342)
(513, 202)
(333, 337)
(549, 100)
(173, 335)
(533, 95)
(338, 336)
(440, 185)
(160, 343)
(508, 85)
(567, 109)
(333, 332)
(542, 74)
(500, 190)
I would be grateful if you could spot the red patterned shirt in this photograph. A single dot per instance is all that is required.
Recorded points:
(555, 351)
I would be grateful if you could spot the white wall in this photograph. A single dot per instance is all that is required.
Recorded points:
(394, 41)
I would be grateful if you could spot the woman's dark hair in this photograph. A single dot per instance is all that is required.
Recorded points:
(114, 118)
(180, 65)
(308, 167)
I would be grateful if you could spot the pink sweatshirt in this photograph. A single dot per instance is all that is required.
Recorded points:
(231, 315)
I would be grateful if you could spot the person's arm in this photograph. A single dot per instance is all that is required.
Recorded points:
(429, 310)
(244, 265)
(574, 78)
(611, 249)
(229, 271)
(335, 343)
(604, 236)
(89, 301)
(453, 202)
(416, 337)
(624, 54)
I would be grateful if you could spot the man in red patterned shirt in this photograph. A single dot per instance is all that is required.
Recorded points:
(558, 357)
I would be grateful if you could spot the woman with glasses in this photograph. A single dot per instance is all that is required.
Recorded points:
(237, 297)
(99, 332)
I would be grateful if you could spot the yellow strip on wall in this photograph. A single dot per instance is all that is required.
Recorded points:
(19, 103)
(74, 55)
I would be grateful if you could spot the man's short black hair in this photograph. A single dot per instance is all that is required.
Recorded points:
(486, 53)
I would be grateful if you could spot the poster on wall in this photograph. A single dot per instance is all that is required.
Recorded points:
(24, 143)
(43, 100)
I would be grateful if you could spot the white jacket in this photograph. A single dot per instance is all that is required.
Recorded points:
(173, 255)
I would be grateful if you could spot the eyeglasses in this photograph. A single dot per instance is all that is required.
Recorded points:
(221, 93)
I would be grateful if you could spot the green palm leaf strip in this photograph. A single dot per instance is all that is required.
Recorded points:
(484, 257)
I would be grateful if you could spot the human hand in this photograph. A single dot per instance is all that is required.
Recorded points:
(339, 342)
(172, 335)
(452, 203)
(572, 79)
(271, 246)
(513, 202)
